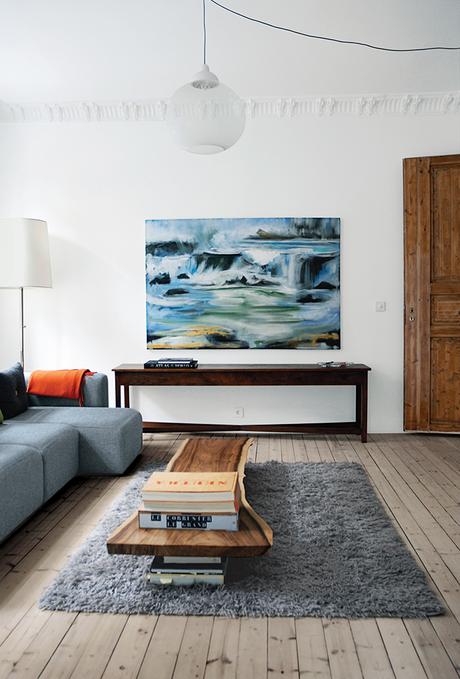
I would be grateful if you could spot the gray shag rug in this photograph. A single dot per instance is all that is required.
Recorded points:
(335, 554)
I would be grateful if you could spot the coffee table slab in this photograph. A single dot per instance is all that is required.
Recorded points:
(253, 538)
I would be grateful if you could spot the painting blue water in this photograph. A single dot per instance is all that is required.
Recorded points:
(243, 283)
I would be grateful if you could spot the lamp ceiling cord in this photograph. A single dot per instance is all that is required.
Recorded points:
(318, 37)
(204, 32)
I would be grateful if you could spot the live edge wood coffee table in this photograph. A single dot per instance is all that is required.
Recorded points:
(253, 538)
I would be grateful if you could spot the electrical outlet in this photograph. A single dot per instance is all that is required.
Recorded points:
(239, 411)
(380, 306)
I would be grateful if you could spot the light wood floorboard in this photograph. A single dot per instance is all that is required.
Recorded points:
(417, 479)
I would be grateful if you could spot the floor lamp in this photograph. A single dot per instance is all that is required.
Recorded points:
(24, 259)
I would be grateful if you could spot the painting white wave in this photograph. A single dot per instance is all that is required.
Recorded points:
(243, 283)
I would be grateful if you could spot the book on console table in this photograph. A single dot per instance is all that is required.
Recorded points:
(172, 363)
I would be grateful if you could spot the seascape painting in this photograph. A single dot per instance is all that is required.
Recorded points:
(243, 283)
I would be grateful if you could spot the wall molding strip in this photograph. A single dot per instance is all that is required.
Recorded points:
(436, 103)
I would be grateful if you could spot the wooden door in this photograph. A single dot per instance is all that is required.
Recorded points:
(432, 294)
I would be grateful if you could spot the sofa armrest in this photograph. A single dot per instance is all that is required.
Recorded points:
(96, 391)
(95, 394)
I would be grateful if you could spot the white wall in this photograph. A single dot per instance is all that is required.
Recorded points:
(61, 50)
(96, 183)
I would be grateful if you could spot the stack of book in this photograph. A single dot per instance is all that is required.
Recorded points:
(187, 570)
(184, 501)
(172, 363)
(191, 500)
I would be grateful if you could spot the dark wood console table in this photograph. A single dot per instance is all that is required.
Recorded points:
(216, 375)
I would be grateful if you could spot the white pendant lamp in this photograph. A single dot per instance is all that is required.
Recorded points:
(205, 116)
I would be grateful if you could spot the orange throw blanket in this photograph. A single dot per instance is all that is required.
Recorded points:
(58, 383)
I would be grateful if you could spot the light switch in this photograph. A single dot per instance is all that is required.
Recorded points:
(380, 306)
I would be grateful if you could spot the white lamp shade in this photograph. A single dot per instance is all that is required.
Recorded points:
(205, 116)
(24, 254)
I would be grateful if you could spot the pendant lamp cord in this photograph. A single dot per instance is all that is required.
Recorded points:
(204, 32)
(329, 39)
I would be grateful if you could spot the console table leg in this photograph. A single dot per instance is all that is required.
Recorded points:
(361, 399)
(358, 402)
(117, 392)
(126, 395)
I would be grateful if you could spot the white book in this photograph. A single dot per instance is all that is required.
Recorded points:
(228, 522)
(191, 507)
(192, 559)
(185, 579)
(200, 487)
(159, 567)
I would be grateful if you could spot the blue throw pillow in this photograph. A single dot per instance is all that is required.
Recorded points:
(13, 392)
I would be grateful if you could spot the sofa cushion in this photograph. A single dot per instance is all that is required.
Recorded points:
(13, 391)
(55, 444)
(21, 486)
(110, 438)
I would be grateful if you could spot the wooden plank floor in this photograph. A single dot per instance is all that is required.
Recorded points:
(417, 478)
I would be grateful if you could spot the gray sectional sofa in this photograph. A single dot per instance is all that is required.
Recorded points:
(48, 444)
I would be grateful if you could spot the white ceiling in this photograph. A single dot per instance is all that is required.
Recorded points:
(64, 50)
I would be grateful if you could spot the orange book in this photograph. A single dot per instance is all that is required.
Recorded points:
(199, 487)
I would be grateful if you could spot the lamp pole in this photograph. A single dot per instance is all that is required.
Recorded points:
(22, 327)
